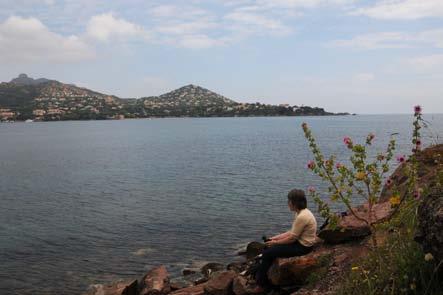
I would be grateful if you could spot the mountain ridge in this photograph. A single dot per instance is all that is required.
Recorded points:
(23, 79)
(44, 99)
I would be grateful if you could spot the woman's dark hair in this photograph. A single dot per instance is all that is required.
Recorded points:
(297, 198)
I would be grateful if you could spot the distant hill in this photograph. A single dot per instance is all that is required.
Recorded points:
(43, 99)
(23, 79)
(23, 90)
(189, 95)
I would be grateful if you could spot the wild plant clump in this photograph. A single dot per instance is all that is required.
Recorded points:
(363, 177)
(398, 265)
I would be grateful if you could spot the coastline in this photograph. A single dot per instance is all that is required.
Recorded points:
(182, 117)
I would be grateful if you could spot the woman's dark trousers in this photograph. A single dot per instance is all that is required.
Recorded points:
(269, 254)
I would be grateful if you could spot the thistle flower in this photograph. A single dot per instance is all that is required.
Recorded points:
(311, 165)
(417, 110)
(389, 181)
(370, 138)
(348, 141)
(401, 158)
(417, 193)
(311, 189)
(338, 165)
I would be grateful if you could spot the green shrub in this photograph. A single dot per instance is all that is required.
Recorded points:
(396, 267)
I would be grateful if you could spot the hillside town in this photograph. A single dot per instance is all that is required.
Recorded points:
(47, 100)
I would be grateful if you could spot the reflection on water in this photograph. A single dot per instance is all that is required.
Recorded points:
(89, 202)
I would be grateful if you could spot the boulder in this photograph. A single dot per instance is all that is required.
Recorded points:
(117, 288)
(196, 278)
(350, 228)
(194, 290)
(221, 283)
(430, 224)
(240, 286)
(156, 281)
(179, 283)
(237, 266)
(211, 267)
(253, 249)
(188, 271)
(295, 270)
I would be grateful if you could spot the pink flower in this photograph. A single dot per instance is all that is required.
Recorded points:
(338, 165)
(348, 141)
(311, 189)
(417, 194)
(417, 110)
(418, 142)
(311, 165)
(389, 181)
(401, 158)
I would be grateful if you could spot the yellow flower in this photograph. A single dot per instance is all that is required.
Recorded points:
(394, 200)
(360, 175)
(354, 268)
(429, 257)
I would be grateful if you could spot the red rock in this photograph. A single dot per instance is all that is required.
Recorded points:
(177, 284)
(237, 266)
(189, 271)
(240, 286)
(118, 288)
(194, 290)
(220, 283)
(196, 278)
(209, 268)
(156, 281)
(295, 270)
(351, 228)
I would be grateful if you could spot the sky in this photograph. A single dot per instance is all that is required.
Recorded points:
(359, 56)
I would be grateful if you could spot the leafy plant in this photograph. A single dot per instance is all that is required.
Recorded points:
(363, 177)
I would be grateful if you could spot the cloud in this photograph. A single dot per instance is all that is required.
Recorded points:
(253, 23)
(200, 41)
(363, 77)
(195, 28)
(403, 9)
(383, 40)
(375, 41)
(266, 4)
(185, 27)
(427, 63)
(105, 26)
(28, 40)
(184, 12)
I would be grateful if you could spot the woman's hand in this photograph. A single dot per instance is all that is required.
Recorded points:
(271, 242)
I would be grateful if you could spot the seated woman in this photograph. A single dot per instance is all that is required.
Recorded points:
(296, 242)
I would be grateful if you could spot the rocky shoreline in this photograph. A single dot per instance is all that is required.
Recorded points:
(318, 272)
(336, 250)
